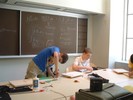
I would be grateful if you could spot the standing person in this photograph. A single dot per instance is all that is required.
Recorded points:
(82, 63)
(130, 65)
(44, 61)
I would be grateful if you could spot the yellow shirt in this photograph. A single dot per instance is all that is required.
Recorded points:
(130, 65)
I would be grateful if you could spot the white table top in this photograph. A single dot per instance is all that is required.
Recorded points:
(63, 88)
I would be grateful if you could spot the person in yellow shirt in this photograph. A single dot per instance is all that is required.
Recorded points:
(130, 74)
(130, 65)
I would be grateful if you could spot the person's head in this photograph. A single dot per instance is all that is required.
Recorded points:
(130, 64)
(87, 53)
(63, 58)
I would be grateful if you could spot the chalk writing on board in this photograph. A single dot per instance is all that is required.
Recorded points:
(31, 19)
(7, 30)
(49, 43)
(34, 39)
(43, 30)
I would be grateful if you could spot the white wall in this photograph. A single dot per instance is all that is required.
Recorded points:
(11, 69)
(122, 64)
(116, 31)
(100, 37)
(107, 35)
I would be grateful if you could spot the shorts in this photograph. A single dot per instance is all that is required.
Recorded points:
(32, 70)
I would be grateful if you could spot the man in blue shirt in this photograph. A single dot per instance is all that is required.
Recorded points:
(43, 61)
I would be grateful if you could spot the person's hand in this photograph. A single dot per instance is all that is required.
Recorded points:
(89, 68)
(56, 73)
(72, 97)
(130, 74)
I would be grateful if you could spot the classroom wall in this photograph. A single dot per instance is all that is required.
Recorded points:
(116, 32)
(122, 64)
(101, 35)
(107, 36)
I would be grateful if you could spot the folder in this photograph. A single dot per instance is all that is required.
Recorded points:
(72, 74)
(19, 83)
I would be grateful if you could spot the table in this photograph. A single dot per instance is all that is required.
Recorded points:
(64, 87)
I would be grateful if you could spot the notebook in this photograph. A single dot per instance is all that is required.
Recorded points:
(120, 71)
(85, 71)
(47, 79)
(72, 74)
(19, 83)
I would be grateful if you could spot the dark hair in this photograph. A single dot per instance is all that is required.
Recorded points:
(64, 58)
(131, 58)
(87, 50)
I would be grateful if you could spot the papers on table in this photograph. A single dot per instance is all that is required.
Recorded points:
(85, 71)
(47, 79)
(120, 71)
(19, 83)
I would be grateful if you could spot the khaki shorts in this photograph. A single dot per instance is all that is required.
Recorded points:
(32, 70)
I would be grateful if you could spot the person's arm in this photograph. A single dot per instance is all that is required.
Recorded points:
(130, 72)
(130, 65)
(76, 65)
(56, 62)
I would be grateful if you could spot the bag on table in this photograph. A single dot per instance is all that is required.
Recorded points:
(110, 91)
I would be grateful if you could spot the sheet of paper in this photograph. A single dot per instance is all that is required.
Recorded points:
(129, 88)
(72, 74)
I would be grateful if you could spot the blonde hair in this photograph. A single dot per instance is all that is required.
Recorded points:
(87, 50)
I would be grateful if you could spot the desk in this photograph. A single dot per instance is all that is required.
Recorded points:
(63, 88)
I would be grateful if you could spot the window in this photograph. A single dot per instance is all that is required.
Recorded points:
(129, 29)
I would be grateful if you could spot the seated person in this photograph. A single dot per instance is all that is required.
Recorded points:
(130, 65)
(82, 63)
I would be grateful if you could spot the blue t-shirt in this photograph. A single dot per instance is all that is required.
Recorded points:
(42, 57)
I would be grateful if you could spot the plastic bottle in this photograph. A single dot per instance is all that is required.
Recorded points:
(35, 84)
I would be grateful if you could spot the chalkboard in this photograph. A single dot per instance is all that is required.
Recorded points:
(42, 30)
(82, 34)
(9, 32)
(36, 31)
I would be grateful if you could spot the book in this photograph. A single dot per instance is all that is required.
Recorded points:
(85, 71)
(47, 79)
(120, 71)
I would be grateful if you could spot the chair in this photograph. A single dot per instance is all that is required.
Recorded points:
(94, 66)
